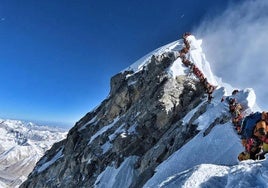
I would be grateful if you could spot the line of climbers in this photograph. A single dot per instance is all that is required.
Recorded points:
(209, 88)
(253, 129)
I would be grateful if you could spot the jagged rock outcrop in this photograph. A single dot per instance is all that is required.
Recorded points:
(141, 117)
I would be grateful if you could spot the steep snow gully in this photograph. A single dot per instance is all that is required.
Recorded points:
(164, 124)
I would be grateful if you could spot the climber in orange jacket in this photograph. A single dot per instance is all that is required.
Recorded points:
(257, 145)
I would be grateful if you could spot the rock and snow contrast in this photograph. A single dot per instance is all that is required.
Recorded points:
(155, 129)
(22, 144)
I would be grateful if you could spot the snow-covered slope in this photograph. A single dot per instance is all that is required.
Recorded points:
(245, 174)
(22, 144)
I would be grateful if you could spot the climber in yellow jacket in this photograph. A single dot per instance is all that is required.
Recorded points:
(257, 145)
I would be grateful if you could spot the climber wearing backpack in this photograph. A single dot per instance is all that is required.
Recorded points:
(187, 45)
(261, 154)
(235, 108)
(186, 62)
(235, 92)
(243, 156)
(263, 151)
(184, 50)
(251, 142)
(261, 132)
(237, 121)
(249, 124)
(185, 35)
(253, 147)
(197, 72)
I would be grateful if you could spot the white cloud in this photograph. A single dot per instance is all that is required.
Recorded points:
(236, 45)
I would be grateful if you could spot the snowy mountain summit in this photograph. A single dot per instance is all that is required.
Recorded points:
(22, 144)
(162, 125)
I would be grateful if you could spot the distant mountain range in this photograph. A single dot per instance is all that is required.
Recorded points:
(22, 144)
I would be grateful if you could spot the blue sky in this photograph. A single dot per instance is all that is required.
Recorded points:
(57, 57)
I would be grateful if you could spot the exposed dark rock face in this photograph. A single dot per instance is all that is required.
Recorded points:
(141, 117)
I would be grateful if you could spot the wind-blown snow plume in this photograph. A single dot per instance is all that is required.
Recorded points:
(236, 44)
